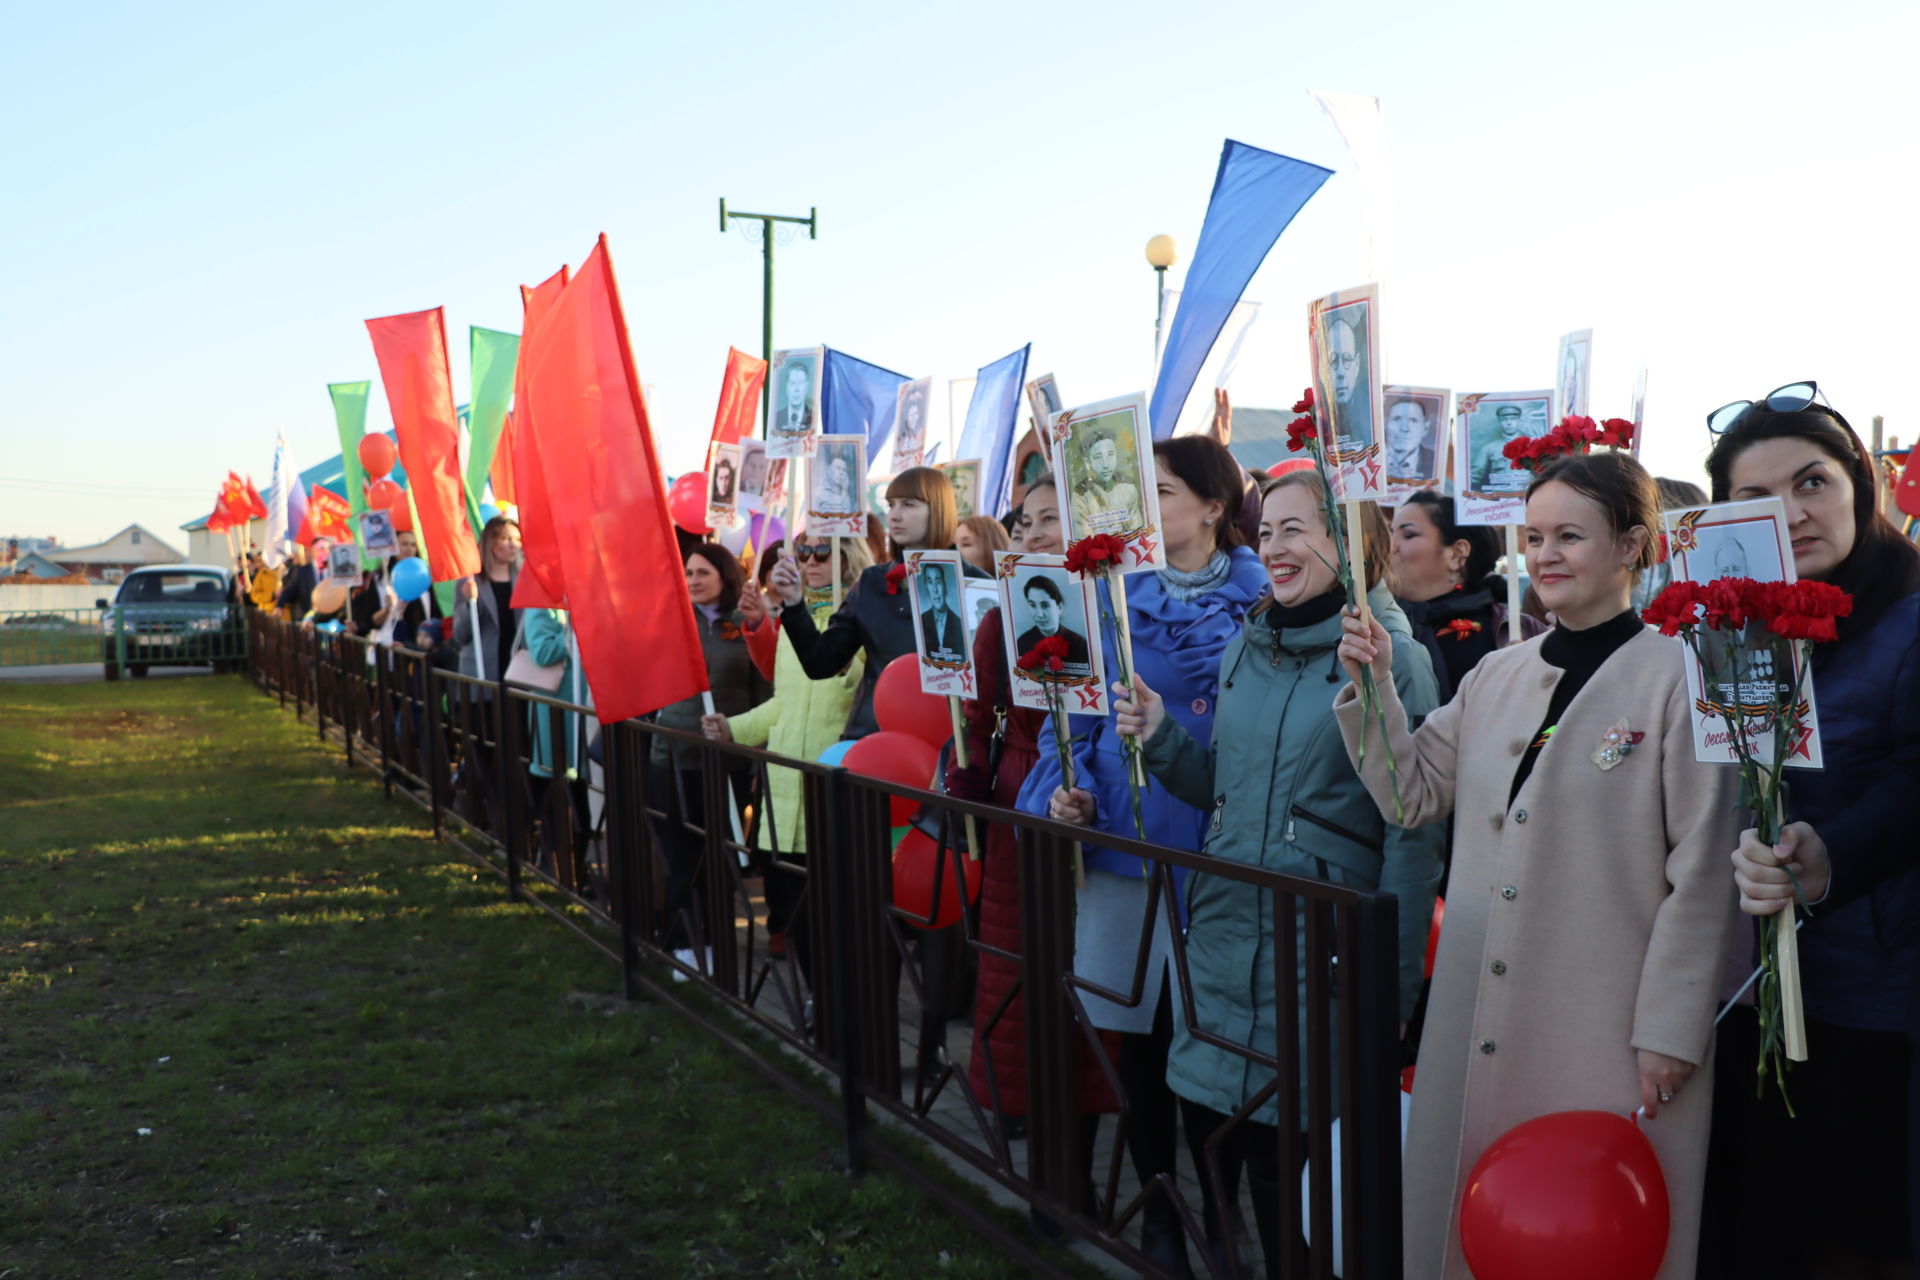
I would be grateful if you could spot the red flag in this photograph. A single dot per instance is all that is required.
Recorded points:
(222, 518)
(541, 584)
(739, 396)
(412, 351)
(625, 584)
(247, 501)
(501, 472)
(327, 514)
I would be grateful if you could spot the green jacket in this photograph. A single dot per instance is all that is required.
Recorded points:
(543, 634)
(1284, 796)
(803, 718)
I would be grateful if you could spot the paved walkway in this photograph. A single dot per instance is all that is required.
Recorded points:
(84, 673)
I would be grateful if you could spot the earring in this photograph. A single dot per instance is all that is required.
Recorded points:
(1208, 522)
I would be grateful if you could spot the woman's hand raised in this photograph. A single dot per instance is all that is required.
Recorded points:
(785, 580)
(1075, 806)
(1364, 643)
(1137, 712)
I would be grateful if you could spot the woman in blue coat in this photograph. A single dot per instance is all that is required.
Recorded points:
(1181, 619)
(1846, 1154)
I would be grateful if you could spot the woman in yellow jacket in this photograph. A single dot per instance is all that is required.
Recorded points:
(802, 719)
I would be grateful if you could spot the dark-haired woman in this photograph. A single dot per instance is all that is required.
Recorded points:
(1589, 917)
(1846, 1155)
(714, 583)
(1444, 580)
(1278, 799)
(1182, 619)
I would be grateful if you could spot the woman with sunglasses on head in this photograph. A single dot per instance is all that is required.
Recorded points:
(1278, 798)
(1589, 919)
(1181, 619)
(802, 719)
(714, 584)
(1843, 1162)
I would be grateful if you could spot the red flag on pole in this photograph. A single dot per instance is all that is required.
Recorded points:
(625, 583)
(739, 397)
(327, 514)
(412, 351)
(250, 503)
(222, 518)
(501, 472)
(541, 584)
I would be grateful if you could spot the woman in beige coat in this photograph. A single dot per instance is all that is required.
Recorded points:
(1589, 917)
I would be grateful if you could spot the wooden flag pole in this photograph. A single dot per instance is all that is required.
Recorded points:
(835, 541)
(1514, 561)
(960, 758)
(1793, 1013)
(1357, 559)
(733, 812)
(1123, 636)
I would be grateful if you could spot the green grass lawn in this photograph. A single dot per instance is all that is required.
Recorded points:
(254, 1021)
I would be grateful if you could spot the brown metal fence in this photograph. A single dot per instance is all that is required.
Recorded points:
(593, 853)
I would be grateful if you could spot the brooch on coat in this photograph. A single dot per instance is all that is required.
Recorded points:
(1616, 744)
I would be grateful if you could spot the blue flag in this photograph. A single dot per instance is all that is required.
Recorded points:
(859, 399)
(992, 414)
(1255, 195)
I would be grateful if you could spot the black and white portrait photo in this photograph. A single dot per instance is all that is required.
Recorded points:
(723, 483)
(910, 424)
(1041, 600)
(1416, 435)
(1346, 389)
(793, 414)
(940, 629)
(834, 498)
(1574, 367)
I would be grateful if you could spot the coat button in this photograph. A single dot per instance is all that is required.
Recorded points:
(1486, 1046)
(1519, 815)
(1499, 968)
(1508, 892)
(1498, 822)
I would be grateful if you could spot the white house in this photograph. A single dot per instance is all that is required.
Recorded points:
(109, 561)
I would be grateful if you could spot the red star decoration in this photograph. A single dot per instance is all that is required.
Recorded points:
(1089, 699)
(1143, 549)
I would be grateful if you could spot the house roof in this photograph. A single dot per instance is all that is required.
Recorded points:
(331, 473)
(150, 550)
(34, 567)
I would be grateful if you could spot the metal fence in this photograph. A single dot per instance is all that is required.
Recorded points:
(127, 640)
(620, 855)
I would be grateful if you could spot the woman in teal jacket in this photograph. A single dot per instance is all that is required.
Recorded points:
(543, 634)
(1282, 796)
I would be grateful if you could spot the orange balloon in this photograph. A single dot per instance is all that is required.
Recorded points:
(385, 495)
(376, 455)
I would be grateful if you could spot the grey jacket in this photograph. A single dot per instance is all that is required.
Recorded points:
(1284, 796)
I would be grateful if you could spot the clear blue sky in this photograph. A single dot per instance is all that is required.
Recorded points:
(204, 202)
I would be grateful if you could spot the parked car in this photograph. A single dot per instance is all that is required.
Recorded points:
(174, 615)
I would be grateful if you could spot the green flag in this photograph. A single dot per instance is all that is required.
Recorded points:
(493, 355)
(350, 416)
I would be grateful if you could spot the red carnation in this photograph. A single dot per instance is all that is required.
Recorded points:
(1460, 628)
(1803, 610)
(1616, 433)
(1094, 552)
(895, 576)
(1677, 606)
(1305, 403)
(1299, 431)
(1046, 655)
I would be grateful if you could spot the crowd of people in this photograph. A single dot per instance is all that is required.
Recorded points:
(1593, 924)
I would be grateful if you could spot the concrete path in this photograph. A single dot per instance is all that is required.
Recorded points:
(85, 672)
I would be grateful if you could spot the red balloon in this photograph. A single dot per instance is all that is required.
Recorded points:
(385, 495)
(894, 757)
(376, 455)
(918, 864)
(901, 707)
(1576, 1195)
(687, 503)
(1433, 932)
(402, 517)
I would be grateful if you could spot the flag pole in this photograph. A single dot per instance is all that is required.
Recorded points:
(473, 621)
(733, 813)
(960, 758)
(835, 540)
(1513, 584)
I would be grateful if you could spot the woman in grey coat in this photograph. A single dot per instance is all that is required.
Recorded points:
(1283, 796)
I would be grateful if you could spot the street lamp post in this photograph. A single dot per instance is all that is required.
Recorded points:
(766, 220)
(1161, 254)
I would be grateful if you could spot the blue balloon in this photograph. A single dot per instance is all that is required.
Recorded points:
(488, 513)
(837, 752)
(411, 580)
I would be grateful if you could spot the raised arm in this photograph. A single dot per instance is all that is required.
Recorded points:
(1426, 761)
(1170, 753)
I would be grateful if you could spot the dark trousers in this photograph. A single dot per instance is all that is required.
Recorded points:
(1153, 1111)
(1256, 1149)
(786, 886)
(678, 793)
(1844, 1155)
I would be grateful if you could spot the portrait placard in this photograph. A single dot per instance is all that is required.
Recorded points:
(1104, 453)
(754, 464)
(1487, 488)
(940, 630)
(1739, 673)
(910, 423)
(981, 597)
(343, 564)
(1041, 599)
(964, 475)
(1043, 401)
(793, 412)
(836, 506)
(1416, 439)
(376, 531)
(723, 483)
(1344, 332)
(1575, 368)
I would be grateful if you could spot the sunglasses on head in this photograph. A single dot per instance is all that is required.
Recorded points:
(821, 551)
(1791, 398)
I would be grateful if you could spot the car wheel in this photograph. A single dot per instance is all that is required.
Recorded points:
(138, 670)
(113, 669)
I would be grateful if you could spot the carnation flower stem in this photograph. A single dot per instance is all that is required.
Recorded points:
(1115, 618)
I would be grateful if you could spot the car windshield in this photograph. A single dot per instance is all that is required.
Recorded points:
(171, 588)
